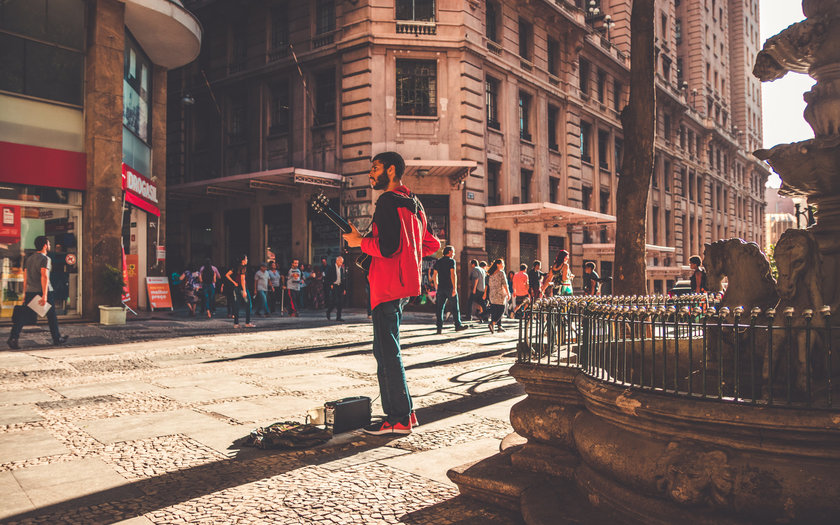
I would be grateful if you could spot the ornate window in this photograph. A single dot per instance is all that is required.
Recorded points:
(417, 87)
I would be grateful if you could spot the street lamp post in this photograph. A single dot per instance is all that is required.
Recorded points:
(608, 24)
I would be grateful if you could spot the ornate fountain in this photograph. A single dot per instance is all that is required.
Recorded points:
(641, 410)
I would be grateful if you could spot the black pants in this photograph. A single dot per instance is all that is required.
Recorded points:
(335, 300)
(52, 319)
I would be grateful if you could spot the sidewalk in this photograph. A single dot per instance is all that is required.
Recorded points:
(142, 432)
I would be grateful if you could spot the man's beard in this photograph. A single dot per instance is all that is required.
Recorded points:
(382, 181)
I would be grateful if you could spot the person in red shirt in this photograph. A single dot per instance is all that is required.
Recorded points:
(397, 243)
(520, 286)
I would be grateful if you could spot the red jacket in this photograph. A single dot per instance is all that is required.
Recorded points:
(398, 241)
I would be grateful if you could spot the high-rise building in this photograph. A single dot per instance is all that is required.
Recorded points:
(507, 113)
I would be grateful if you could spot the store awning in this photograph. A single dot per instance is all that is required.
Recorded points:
(456, 170)
(246, 184)
(165, 29)
(546, 212)
(651, 250)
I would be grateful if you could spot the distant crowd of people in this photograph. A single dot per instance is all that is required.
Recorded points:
(263, 290)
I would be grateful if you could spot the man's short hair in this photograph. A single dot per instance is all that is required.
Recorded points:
(537, 263)
(693, 259)
(447, 250)
(40, 242)
(391, 158)
(589, 264)
(523, 267)
(474, 262)
(482, 264)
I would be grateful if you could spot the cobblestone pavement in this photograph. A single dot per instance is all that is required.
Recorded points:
(142, 431)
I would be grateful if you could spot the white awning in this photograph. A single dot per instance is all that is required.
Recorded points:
(456, 170)
(166, 31)
(284, 179)
(546, 212)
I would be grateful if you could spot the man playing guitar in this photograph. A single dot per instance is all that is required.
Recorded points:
(397, 243)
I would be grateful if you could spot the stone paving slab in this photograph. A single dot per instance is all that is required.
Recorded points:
(219, 388)
(433, 464)
(18, 360)
(58, 482)
(263, 412)
(12, 496)
(98, 389)
(10, 415)
(128, 428)
(28, 444)
(23, 396)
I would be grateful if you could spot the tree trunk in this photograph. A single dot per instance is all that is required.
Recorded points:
(639, 122)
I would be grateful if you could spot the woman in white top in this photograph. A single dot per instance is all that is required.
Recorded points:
(498, 293)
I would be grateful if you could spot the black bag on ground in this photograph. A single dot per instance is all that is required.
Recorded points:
(285, 435)
(24, 316)
(347, 414)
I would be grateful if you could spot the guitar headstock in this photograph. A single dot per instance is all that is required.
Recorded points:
(319, 202)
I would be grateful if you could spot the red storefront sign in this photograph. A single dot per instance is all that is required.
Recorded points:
(9, 224)
(139, 190)
(56, 168)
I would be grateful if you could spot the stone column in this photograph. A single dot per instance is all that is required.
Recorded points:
(158, 238)
(103, 144)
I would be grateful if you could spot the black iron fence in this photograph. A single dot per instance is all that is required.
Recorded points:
(688, 346)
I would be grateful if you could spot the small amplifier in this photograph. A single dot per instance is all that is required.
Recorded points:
(347, 414)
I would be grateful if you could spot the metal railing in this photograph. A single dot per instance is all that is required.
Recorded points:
(688, 346)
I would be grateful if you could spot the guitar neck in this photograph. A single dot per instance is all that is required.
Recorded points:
(338, 220)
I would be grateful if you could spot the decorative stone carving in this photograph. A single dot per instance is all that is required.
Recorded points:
(695, 477)
(748, 272)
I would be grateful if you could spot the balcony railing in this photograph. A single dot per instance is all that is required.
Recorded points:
(688, 346)
(323, 40)
(416, 28)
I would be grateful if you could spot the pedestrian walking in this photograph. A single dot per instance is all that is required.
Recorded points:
(208, 275)
(293, 284)
(262, 285)
(698, 275)
(36, 281)
(276, 289)
(192, 287)
(535, 277)
(560, 275)
(498, 294)
(236, 280)
(520, 287)
(445, 279)
(317, 297)
(336, 279)
(477, 287)
(398, 240)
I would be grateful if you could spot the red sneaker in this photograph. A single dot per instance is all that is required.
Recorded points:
(384, 427)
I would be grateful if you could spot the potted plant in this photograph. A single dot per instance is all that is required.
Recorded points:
(112, 285)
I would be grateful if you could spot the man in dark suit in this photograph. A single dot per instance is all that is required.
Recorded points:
(336, 281)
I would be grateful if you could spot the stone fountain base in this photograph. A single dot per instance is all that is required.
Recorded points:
(593, 452)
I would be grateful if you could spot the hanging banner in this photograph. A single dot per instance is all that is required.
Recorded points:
(158, 289)
(9, 224)
(160, 254)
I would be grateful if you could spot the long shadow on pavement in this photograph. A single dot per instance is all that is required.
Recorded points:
(148, 495)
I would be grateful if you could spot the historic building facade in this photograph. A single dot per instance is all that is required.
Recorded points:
(507, 113)
(83, 139)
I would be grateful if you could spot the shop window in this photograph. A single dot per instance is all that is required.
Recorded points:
(417, 10)
(31, 63)
(417, 88)
(524, 116)
(491, 101)
(496, 243)
(324, 16)
(555, 244)
(437, 214)
(493, 170)
(325, 97)
(137, 97)
(528, 248)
